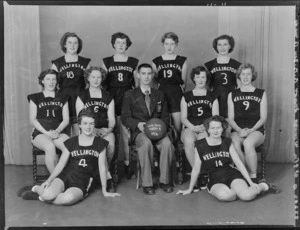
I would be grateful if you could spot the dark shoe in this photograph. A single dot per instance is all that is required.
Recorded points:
(203, 181)
(23, 189)
(111, 187)
(272, 188)
(167, 188)
(196, 189)
(30, 195)
(149, 190)
(255, 180)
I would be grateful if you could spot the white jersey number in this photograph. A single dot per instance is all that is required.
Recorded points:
(219, 163)
(48, 113)
(82, 163)
(225, 78)
(70, 74)
(200, 111)
(168, 73)
(247, 104)
(120, 77)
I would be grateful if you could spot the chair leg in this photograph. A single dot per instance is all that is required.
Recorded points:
(34, 167)
(180, 164)
(263, 163)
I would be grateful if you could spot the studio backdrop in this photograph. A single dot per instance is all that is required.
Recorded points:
(264, 36)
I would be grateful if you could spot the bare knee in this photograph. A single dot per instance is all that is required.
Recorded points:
(223, 195)
(68, 198)
(48, 195)
(246, 196)
(50, 149)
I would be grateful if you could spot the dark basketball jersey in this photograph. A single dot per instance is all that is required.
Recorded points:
(84, 159)
(169, 71)
(120, 74)
(223, 80)
(49, 109)
(98, 105)
(71, 73)
(199, 108)
(223, 75)
(247, 107)
(215, 157)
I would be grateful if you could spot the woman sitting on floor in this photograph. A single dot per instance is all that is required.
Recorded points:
(72, 177)
(220, 159)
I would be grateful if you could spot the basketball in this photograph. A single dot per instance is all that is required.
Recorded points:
(155, 129)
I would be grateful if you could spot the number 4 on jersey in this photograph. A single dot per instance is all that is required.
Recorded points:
(82, 163)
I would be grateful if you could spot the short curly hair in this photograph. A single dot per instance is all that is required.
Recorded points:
(88, 71)
(86, 112)
(121, 36)
(171, 35)
(43, 75)
(230, 40)
(64, 38)
(197, 70)
(246, 66)
(217, 118)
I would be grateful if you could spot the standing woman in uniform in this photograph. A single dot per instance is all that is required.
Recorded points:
(217, 154)
(101, 103)
(49, 115)
(196, 106)
(170, 72)
(70, 68)
(121, 77)
(223, 69)
(247, 114)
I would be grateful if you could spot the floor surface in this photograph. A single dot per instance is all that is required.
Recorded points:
(134, 208)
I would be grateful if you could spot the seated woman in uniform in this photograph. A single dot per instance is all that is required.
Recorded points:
(227, 181)
(102, 105)
(196, 106)
(247, 114)
(71, 179)
(49, 115)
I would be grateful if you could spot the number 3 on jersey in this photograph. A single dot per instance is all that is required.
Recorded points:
(225, 78)
(120, 77)
(82, 163)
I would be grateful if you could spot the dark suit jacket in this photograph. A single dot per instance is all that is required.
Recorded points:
(134, 109)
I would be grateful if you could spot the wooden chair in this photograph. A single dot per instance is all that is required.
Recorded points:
(37, 178)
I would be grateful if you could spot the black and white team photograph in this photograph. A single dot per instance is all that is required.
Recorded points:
(150, 115)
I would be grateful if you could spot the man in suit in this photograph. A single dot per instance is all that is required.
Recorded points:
(135, 114)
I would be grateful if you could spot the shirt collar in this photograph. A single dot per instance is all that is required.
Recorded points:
(143, 90)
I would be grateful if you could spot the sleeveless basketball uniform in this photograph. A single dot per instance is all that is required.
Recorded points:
(71, 80)
(247, 108)
(170, 80)
(119, 79)
(99, 106)
(217, 162)
(223, 80)
(82, 164)
(199, 108)
(49, 110)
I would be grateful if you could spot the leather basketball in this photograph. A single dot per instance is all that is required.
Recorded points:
(155, 129)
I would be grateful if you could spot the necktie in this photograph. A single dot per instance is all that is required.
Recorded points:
(147, 100)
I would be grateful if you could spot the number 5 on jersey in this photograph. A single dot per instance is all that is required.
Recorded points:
(82, 163)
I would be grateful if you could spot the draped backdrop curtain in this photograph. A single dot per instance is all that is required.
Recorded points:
(264, 37)
(22, 65)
